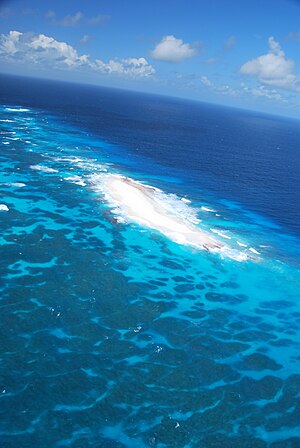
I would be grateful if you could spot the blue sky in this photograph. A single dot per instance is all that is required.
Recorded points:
(234, 52)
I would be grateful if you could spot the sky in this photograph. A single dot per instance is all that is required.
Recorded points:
(233, 52)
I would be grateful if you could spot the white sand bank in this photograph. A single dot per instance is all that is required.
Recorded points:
(156, 210)
(140, 205)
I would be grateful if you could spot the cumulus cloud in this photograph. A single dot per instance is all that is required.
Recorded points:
(76, 19)
(171, 49)
(8, 43)
(45, 51)
(273, 68)
(54, 50)
(38, 49)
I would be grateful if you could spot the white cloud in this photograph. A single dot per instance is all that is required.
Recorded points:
(76, 19)
(85, 39)
(129, 67)
(207, 82)
(72, 20)
(9, 44)
(267, 93)
(259, 92)
(242, 90)
(45, 51)
(171, 49)
(54, 50)
(223, 89)
(264, 92)
(39, 49)
(273, 68)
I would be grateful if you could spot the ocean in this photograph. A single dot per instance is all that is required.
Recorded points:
(150, 253)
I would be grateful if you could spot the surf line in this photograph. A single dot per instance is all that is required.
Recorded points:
(149, 207)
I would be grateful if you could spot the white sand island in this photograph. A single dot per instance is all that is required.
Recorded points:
(150, 207)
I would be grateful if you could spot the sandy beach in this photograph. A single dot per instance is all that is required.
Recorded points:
(139, 203)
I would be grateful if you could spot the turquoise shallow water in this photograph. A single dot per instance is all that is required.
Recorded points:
(114, 336)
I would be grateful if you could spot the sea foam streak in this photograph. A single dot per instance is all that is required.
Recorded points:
(43, 168)
(154, 209)
(17, 109)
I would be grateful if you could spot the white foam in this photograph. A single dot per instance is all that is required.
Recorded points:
(72, 159)
(241, 244)
(166, 213)
(18, 184)
(238, 256)
(7, 121)
(5, 143)
(86, 164)
(187, 201)
(13, 184)
(76, 180)
(4, 208)
(207, 209)
(254, 251)
(43, 168)
(221, 234)
(15, 109)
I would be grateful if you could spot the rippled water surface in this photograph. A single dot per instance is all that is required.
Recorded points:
(112, 334)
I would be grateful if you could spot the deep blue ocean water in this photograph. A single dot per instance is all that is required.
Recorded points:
(112, 335)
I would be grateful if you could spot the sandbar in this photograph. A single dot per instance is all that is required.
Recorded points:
(143, 205)
(166, 213)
